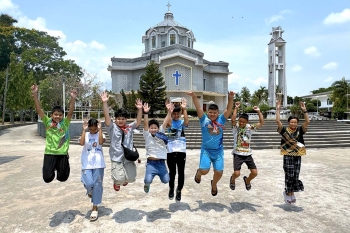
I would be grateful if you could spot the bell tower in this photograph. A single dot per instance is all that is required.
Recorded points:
(277, 85)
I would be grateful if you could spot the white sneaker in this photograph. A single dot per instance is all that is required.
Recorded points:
(294, 199)
(287, 199)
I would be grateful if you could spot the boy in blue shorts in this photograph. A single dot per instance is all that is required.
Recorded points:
(212, 151)
(56, 156)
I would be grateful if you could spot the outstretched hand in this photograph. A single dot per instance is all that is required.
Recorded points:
(85, 125)
(191, 93)
(237, 104)
(183, 103)
(231, 94)
(170, 107)
(256, 109)
(34, 89)
(302, 106)
(99, 125)
(74, 94)
(278, 104)
(104, 96)
(146, 108)
(138, 103)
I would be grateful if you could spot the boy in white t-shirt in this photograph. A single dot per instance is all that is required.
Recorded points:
(242, 153)
(92, 163)
(156, 150)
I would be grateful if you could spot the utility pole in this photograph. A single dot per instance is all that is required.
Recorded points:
(5, 93)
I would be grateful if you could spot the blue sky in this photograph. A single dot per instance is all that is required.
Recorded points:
(317, 34)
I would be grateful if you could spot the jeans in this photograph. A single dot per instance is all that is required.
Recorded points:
(156, 167)
(93, 179)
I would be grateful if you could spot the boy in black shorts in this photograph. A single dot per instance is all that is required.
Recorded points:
(242, 153)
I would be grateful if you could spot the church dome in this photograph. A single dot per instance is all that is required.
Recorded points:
(167, 33)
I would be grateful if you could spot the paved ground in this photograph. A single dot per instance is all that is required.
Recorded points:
(30, 205)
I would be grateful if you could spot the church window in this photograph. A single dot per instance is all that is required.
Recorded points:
(172, 37)
(203, 84)
(153, 42)
(163, 43)
(189, 42)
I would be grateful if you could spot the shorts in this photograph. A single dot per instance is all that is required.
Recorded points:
(216, 157)
(123, 172)
(238, 160)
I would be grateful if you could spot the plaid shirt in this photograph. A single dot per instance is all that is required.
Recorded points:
(292, 142)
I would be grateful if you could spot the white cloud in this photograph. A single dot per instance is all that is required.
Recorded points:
(276, 18)
(337, 18)
(96, 45)
(312, 51)
(297, 68)
(330, 66)
(327, 80)
(40, 25)
(10, 8)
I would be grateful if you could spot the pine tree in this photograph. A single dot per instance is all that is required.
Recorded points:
(152, 88)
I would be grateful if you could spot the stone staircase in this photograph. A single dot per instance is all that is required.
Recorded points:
(321, 134)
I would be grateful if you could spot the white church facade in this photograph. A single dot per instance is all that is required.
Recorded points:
(184, 69)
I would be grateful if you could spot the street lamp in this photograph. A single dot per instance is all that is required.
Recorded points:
(64, 96)
(317, 104)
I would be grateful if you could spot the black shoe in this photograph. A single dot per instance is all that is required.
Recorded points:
(171, 194)
(178, 195)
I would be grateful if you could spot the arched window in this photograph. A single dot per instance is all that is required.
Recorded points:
(172, 38)
(153, 40)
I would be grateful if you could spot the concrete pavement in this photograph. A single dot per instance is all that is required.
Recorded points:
(28, 204)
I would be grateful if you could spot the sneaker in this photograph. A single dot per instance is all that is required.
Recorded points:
(294, 199)
(287, 199)
(171, 194)
(146, 188)
(116, 187)
(178, 195)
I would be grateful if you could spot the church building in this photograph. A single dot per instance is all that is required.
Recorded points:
(184, 69)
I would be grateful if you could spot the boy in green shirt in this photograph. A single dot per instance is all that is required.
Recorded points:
(57, 138)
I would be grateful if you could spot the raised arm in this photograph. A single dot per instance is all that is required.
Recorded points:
(35, 90)
(228, 110)
(261, 118)
(306, 115)
(146, 109)
(73, 96)
(104, 98)
(196, 104)
(278, 109)
(138, 105)
(234, 115)
(170, 108)
(101, 140)
(82, 138)
(184, 110)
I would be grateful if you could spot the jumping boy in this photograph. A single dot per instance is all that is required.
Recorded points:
(212, 151)
(123, 171)
(156, 151)
(57, 138)
(177, 149)
(242, 153)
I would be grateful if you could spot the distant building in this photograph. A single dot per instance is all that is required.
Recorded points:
(184, 69)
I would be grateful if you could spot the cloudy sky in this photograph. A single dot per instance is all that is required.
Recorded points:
(317, 34)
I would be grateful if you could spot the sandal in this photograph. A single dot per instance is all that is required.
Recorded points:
(214, 193)
(94, 215)
(116, 187)
(247, 186)
(146, 188)
(232, 185)
(195, 178)
(125, 183)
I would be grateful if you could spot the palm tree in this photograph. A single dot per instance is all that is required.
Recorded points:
(339, 96)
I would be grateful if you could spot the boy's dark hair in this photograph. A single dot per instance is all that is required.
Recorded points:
(121, 113)
(244, 115)
(92, 122)
(177, 108)
(213, 107)
(293, 117)
(57, 109)
(153, 122)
